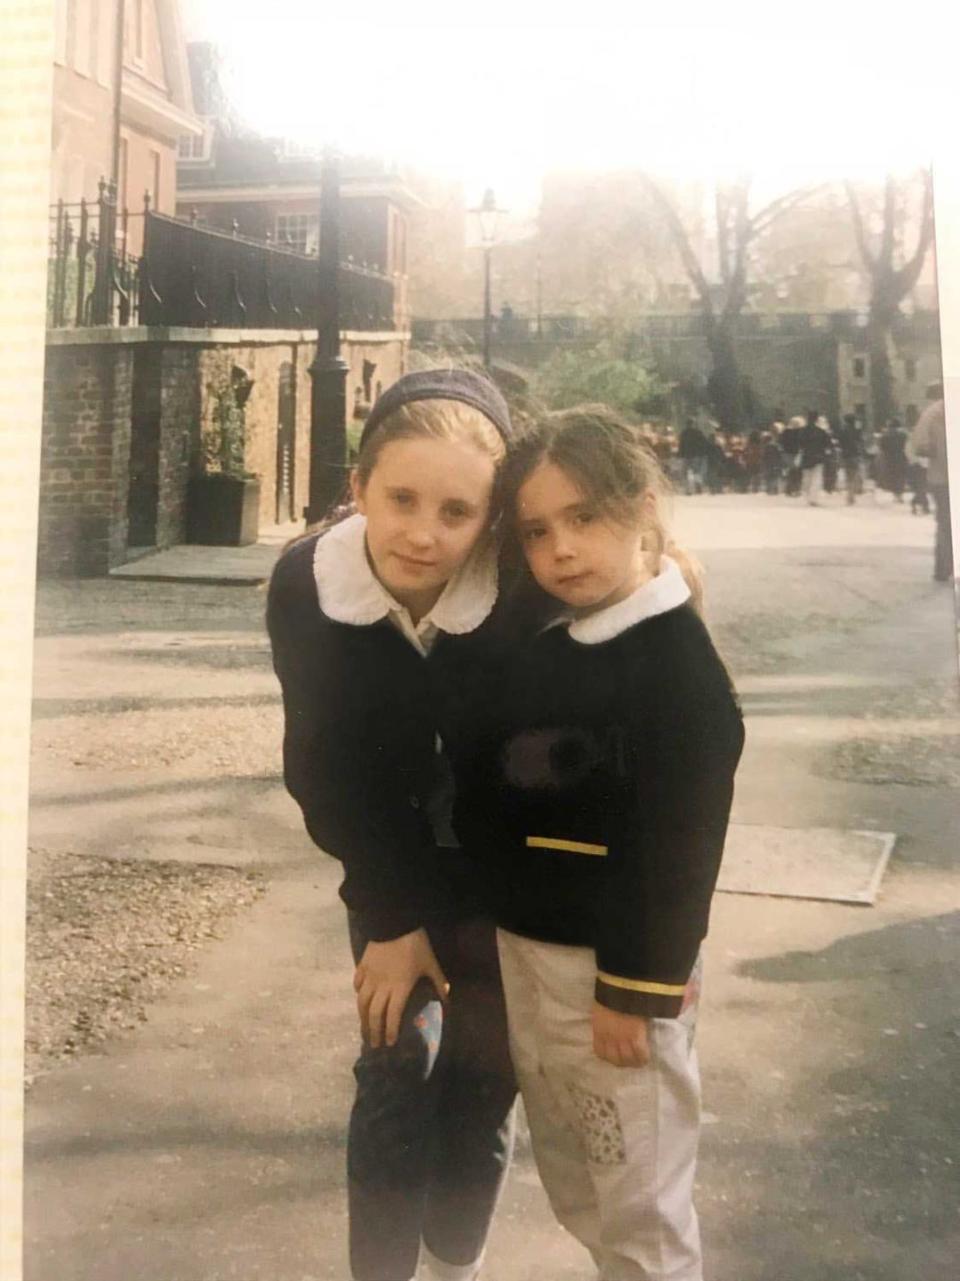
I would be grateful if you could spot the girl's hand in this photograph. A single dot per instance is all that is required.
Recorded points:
(384, 979)
(620, 1039)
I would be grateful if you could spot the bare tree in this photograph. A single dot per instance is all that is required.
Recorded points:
(722, 299)
(892, 275)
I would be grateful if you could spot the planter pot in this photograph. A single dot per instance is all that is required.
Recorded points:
(223, 511)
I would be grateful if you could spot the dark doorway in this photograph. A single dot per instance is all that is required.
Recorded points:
(286, 437)
(144, 488)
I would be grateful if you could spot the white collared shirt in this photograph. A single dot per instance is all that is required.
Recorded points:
(350, 592)
(666, 591)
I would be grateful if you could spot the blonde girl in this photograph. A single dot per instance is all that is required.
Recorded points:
(365, 620)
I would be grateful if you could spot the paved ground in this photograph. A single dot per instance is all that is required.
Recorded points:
(208, 1143)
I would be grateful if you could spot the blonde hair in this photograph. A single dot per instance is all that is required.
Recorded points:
(617, 470)
(436, 419)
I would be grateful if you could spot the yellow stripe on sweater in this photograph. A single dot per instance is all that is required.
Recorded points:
(638, 985)
(569, 847)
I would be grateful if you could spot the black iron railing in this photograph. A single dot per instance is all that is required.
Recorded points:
(93, 278)
(192, 276)
(199, 277)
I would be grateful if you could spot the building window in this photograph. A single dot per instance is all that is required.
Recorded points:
(133, 30)
(912, 415)
(195, 147)
(297, 231)
(859, 367)
(861, 412)
(910, 368)
(292, 149)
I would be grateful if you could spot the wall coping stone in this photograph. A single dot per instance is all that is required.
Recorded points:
(113, 335)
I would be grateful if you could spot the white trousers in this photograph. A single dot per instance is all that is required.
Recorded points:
(616, 1148)
(811, 483)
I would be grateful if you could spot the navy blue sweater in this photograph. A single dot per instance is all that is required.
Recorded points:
(594, 784)
(361, 717)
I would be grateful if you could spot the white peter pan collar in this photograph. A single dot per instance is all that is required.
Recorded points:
(350, 592)
(666, 591)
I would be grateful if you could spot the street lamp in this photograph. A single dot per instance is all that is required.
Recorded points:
(488, 213)
(328, 396)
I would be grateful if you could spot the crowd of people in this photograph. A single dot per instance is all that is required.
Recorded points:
(809, 457)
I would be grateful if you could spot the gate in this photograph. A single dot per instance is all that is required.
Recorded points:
(286, 437)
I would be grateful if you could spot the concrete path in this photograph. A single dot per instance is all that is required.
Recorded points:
(196, 563)
(717, 522)
(208, 1144)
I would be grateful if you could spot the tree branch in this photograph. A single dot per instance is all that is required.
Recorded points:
(737, 285)
(723, 242)
(783, 204)
(909, 273)
(859, 231)
(682, 241)
(889, 219)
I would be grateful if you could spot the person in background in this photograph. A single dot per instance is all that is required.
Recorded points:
(693, 450)
(850, 442)
(772, 463)
(893, 450)
(790, 448)
(814, 442)
(929, 440)
(717, 463)
(753, 460)
(831, 465)
(919, 487)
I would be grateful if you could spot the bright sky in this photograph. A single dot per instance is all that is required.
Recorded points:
(494, 98)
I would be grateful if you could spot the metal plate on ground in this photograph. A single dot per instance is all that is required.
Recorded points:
(824, 863)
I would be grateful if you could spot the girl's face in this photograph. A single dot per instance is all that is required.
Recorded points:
(426, 502)
(575, 552)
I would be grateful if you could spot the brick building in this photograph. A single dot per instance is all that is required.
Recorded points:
(268, 189)
(156, 103)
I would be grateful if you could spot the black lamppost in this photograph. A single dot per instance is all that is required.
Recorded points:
(328, 396)
(488, 214)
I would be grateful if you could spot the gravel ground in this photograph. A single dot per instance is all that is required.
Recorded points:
(919, 762)
(106, 936)
(236, 740)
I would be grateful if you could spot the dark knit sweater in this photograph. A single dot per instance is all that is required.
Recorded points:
(360, 750)
(594, 786)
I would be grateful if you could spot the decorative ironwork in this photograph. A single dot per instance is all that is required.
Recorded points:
(192, 276)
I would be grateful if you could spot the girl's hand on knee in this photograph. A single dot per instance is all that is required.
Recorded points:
(620, 1039)
(384, 979)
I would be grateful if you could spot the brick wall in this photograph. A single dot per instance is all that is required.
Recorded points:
(122, 428)
(85, 459)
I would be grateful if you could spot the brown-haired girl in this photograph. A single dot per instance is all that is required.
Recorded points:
(365, 620)
(594, 787)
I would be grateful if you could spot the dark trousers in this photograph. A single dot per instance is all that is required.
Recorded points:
(943, 551)
(431, 1131)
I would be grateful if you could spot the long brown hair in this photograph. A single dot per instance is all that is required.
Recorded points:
(615, 468)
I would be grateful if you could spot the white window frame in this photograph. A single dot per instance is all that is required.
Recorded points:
(307, 223)
(198, 146)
